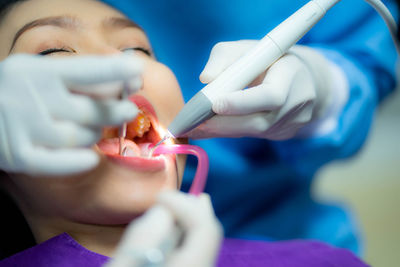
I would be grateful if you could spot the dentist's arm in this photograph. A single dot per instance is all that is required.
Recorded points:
(53, 109)
(300, 92)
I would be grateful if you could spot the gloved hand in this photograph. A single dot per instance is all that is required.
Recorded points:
(150, 239)
(47, 129)
(294, 91)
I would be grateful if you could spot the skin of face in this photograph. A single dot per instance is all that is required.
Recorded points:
(109, 195)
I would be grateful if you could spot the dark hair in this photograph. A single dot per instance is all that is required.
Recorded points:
(5, 6)
(398, 20)
(14, 230)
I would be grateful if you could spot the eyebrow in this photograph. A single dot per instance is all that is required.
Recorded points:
(116, 22)
(68, 22)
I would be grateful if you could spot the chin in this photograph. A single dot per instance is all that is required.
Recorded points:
(115, 194)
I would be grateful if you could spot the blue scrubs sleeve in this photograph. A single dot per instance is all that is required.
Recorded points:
(261, 188)
(362, 47)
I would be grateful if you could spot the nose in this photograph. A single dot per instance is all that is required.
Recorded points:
(98, 45)
(106, 50)
(103, 48)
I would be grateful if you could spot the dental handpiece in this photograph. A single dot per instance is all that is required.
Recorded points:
(236, 77)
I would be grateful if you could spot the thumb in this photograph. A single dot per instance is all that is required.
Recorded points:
(223, 55)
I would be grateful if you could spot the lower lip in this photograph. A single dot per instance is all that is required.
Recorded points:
(110, 148)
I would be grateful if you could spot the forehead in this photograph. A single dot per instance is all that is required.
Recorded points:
(88, 11)
(26, 11)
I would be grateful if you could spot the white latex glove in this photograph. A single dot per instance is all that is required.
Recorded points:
(47, 129)
(294, 91)
(149, 237)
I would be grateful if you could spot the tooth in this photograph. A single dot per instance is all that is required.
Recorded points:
(139, 127)
(145, 150)
(129, 152)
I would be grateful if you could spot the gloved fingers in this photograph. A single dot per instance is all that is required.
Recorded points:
(41, 160)
(270, 95)
(15, 142)
(9, 136)
(150, 229)
(203, 232)
(223, 55)
(234, 126)
(94, 113)
(47, 131)
(188, 210)
(291, 122)
(199, 249)
(260, 98)
(97, 69)
(108, 90)
(282, 72)
(143, 235)
(65, 134)
(300, 113)
(180, 204)
(283, 133)
(285, 122)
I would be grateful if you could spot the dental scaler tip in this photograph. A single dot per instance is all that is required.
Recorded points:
(165, 138)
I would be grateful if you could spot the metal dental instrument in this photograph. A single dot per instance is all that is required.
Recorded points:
(269, 49)
(122, 135)
(122, 129)
(165, 138)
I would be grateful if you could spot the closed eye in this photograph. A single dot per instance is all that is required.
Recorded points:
(141, 49)
(54, 50)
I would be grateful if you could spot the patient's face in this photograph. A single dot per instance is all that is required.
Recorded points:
(112, 193)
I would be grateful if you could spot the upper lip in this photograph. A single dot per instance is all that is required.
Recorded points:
(142, 103)
(138, 158)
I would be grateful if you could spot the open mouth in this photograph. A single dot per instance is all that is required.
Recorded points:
(142, 133)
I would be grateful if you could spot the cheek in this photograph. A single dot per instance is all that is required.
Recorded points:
(107, 195)
(46, 196)
(162, 89)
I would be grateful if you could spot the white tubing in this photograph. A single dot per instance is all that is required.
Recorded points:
(388, 18)
(326, 4)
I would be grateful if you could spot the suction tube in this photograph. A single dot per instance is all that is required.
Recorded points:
(200, 178)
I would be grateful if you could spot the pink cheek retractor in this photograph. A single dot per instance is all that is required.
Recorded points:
(200, 177)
